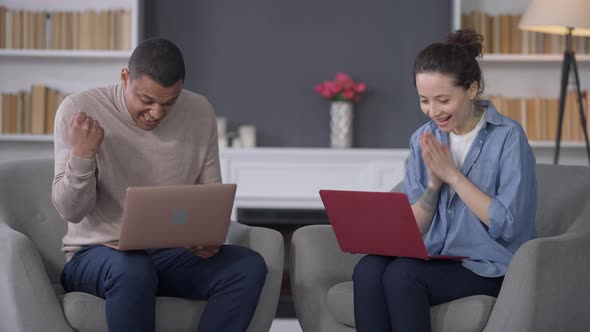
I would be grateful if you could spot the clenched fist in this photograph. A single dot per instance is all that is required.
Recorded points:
(85, 135)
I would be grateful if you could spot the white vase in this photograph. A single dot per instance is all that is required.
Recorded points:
(341, 124)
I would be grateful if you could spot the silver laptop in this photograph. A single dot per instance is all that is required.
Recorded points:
(175, 216)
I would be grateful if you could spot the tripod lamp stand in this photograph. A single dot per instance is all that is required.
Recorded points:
(569, 18)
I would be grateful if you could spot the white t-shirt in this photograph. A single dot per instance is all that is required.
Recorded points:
(460, 145)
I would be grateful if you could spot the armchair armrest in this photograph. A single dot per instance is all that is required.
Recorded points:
(266, 241)
(317, 264)
(269, 244)
(27, 299)
(546, 285)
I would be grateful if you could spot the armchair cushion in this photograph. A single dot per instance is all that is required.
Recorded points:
(86, 312)
(466, 314)
(340, 303)
(462, 315)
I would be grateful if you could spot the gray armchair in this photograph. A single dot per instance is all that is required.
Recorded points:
(545, 289)
(31, 297)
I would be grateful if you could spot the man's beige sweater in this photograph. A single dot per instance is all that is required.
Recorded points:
(89, 194)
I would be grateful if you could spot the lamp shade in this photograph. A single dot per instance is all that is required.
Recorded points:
(556, 16)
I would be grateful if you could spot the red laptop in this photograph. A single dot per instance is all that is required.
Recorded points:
(376, 223)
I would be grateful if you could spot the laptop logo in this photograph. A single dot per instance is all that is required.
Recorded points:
(179, 217)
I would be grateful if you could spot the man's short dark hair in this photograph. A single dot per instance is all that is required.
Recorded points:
(159, 59)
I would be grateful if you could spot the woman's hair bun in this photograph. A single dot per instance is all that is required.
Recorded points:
(468, 38)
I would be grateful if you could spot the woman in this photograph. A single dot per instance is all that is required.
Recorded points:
(471, 182)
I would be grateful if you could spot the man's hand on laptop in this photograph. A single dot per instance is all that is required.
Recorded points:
(204, 251)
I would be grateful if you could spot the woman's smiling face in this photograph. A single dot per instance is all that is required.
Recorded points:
(447, 104)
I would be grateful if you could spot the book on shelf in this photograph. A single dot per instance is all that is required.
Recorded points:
(82, 30)
(502, 35)
(539, 116)
(29, 112)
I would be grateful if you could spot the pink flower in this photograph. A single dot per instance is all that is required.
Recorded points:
(344, 80)
(343, 77)
(333, 87)
(348, 94)
(327, 94)
(360, 87)
(319, 88)
(342, 88)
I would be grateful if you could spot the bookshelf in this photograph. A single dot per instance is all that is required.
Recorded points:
(531, 58)
(72, 54)
(551, 144)
(72, 69)
(517, 75)
(25, 138)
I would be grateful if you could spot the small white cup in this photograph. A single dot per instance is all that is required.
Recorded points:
(247, 134)
(237, 143)
(221, 126)
(222, 140)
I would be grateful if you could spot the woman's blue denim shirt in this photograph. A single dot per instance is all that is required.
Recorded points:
(500, 163)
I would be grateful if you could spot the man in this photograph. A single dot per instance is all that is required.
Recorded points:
(146, 130)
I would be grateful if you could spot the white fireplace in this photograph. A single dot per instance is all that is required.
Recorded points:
(292, 177)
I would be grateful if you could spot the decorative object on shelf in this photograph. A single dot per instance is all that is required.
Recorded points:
(343, 92)
(341, 124)
(569, 18)
(222, 132)
(233, 139)
(236, 142)
(222, 142)
(247, 134)
(243, 137)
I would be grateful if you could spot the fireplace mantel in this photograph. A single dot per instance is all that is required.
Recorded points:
(292, 177)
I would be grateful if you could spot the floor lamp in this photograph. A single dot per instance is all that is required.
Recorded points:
(569, 18)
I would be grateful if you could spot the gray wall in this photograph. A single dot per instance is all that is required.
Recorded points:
(258, 60)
